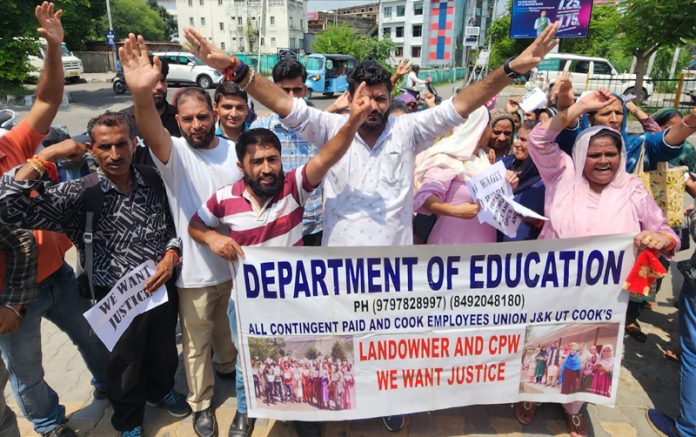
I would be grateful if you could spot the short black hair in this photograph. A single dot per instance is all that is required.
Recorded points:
(228, 88)
(196, 93)
(255, 136)
(611, 134)
(371, 73)
(108, 119)
(289, 68)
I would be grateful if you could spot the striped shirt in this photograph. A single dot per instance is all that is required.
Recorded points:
(278, 222)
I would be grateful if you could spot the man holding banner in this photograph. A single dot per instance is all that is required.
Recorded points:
(266, 207)
(374, 181)
(132, 226)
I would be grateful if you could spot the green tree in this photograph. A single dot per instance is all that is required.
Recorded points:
(342, 39)
(170, 26)
(503, 46)
(16, 21)
(134, 16)
(266, 348)
(337, 352)
(648, 25)
(312, 353)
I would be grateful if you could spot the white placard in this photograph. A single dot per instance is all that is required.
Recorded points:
(112, 315)
(534, 99)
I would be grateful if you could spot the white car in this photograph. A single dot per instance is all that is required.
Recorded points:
(186, 68)
(587, 73)
(72, 66)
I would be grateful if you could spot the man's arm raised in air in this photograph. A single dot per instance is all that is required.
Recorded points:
(141, 77)
(49, 91)
(479, 93)
(266, 92)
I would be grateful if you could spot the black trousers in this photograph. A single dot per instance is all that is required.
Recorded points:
(143, 363)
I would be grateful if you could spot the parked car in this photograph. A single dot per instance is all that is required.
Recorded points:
(328, 74)
(689, 86)
(186, 68)
(587, 73)
(72, 66)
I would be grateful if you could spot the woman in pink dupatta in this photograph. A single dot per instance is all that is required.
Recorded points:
(440, 178)
(589, 194)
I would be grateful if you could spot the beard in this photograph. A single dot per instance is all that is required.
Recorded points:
(203, 143)
(160, 101)
(374, 125)
(266, 191)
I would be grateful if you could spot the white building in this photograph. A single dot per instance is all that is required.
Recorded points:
(403, 21)
(233, 25)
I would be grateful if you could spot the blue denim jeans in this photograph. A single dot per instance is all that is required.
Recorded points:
(686, 422)
(239, 382)
(8, 420)
(59, 301)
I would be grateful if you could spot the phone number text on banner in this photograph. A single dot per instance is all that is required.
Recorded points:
(356, 332)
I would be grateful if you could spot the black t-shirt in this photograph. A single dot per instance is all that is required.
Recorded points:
(168, 117)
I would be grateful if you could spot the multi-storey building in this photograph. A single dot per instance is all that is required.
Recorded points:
(246, 25)
(430, 32)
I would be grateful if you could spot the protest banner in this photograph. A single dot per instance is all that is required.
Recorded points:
(531, 17)
(493, 192)
(113, 314)
(346, 333)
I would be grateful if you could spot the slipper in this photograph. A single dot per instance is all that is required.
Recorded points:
(524, 411)
(634, 331)
(672, 355)
(662, 423)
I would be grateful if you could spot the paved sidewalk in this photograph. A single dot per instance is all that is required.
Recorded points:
(647, 379)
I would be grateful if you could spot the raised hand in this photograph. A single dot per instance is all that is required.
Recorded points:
(141, 76)
(206, 52)
(430, 100)
(49, 20)
(535, 52)
(403, 68)
(562, 92)
(596, 100)
(512, 105)
(362, 105)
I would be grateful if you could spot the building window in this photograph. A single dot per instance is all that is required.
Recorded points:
(222, 26)
(190, 2)
(399, 31)
(201, 2)
(272, 20)
(399, 52)
(386, 31)
(400, 10)
(387, 11)
(273, 41)
(417, 30)
(415, 52)
(291, 22)
(301, 24)
(202, 21)
(263, 41)
(222, 46)
(219, 2)
(418, 8)
(239, 21)
(191, 21)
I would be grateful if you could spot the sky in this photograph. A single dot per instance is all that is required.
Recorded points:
(327, 5)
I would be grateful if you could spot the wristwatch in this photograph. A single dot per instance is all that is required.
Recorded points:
(509, 72)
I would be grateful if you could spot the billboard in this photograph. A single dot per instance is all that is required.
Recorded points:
(531, 17)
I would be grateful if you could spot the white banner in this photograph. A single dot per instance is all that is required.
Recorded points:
(113, 314)
(356, 332)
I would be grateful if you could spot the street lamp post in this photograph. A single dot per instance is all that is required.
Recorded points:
(111, 28)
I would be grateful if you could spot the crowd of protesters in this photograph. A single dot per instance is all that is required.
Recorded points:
(370, 170)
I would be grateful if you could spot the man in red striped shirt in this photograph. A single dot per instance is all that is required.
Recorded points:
(266, 206)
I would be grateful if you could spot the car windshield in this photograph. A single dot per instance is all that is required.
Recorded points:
(64, 50)
(314, 64)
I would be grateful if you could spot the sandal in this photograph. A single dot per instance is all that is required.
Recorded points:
(524, 411)
(634, 331)
(576, 425)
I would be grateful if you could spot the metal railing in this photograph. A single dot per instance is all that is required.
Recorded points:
(679, 92)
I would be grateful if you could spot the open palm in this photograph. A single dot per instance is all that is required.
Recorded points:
(535, 52)
(49, 20)
(140, 74)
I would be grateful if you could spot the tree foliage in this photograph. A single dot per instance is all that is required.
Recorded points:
(170, 26)
(137, 17)
(261, 349)
(342, 39)
(312, 353)
(337, 352)
(16, 21)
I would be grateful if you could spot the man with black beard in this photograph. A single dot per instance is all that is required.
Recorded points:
(192, 167)
(266, 208)
(167, 115)
(369, 192)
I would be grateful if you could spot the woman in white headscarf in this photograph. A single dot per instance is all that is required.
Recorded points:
(441, 175)
(604, 368)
